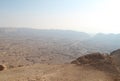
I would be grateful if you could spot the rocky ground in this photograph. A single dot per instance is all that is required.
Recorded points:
(91, 67)
(55, 55)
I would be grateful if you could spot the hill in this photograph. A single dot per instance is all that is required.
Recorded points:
(109, 63)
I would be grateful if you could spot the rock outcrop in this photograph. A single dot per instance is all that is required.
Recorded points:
(97, 61)
(115, 55)
(109, 63)
(2, 67)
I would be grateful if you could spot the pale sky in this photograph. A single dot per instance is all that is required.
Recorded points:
(92, 16)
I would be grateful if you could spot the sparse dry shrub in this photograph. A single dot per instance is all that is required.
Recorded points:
(20, 65)
(10, 66)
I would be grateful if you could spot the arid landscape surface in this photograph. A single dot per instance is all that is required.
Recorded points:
(58, 55)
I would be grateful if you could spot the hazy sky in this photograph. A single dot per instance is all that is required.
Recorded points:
(82, 15)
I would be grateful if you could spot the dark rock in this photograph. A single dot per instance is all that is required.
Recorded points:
(2, 67)
(98, 61)
(115, 55)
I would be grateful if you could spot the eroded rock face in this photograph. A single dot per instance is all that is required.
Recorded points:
(97, 58)
(115, 55)
(93, 58)
(2, 67)
(103, 62)
(116, 52)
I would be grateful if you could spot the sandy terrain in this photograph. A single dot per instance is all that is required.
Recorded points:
(65, 72)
